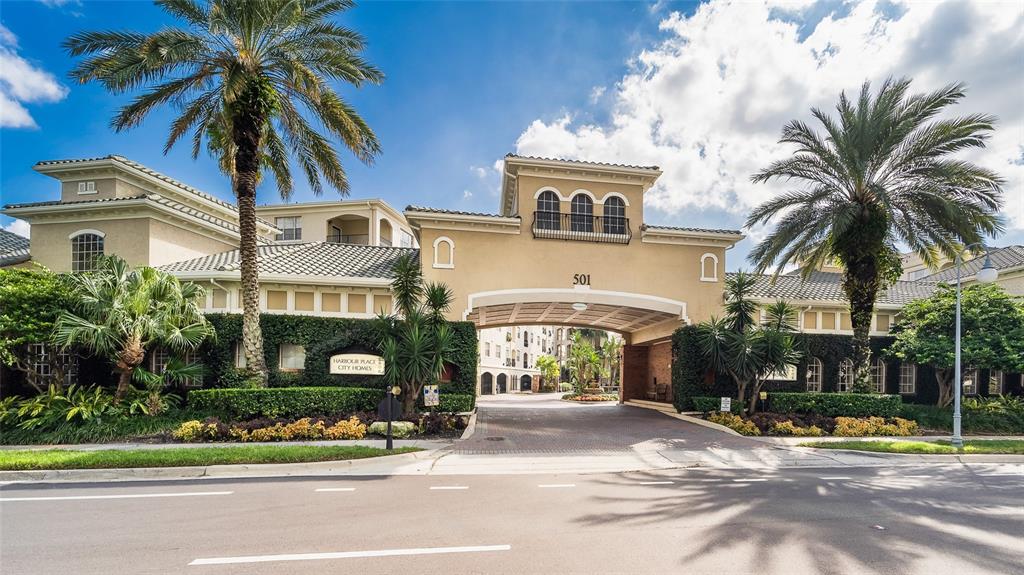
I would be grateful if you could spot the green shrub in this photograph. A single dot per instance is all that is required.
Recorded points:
(837, 404)
(239, 378)
(706, 404)
(874, 426)
(456, 402)
(734, 422)
(787, 428)
(994, 415)
(284, 401)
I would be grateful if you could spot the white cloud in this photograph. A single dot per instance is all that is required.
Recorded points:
(478, 172)
(18, 227)
(466, 194)
(707, 103)
(21, 82)
(595, 93)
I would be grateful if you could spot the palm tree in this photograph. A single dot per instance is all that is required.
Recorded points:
(880, 174)
(610, 352)
(748, 352)
(416, 340)
(119, 313)
(238, 72)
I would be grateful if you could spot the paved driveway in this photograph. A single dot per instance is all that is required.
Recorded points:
(542, 424)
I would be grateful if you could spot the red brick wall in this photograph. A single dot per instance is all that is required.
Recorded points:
(634, 372)
(659, 367)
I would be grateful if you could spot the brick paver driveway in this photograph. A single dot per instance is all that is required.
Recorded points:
(544, 424)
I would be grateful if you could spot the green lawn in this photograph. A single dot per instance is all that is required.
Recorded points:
(184, 456)
(1005, 446)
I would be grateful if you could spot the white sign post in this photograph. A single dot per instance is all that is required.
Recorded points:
(357, 364)
(726, 404)
(431, 396)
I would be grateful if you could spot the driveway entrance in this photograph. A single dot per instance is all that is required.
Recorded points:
(542, 424)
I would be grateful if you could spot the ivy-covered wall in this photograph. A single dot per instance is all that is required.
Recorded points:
(322, 337)
(692, 377)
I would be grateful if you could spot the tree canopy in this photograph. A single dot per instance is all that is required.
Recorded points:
(30, 301)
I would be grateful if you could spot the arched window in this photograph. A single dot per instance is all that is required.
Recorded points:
(845, 375)
(526, 339)
(814, 374)
(526, 360)
(878, 376)
(709, 268)
(548, 208)
(444, 253)
(582, 219)
(86, 248)
(614, 216)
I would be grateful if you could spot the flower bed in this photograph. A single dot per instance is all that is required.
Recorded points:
(350, 426)
(810, 425)
(590, 397)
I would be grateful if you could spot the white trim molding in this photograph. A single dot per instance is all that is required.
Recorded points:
(707, 278)
(550, 189)
(571, 295)
(614, 195)
(75, 234)
(451, 253)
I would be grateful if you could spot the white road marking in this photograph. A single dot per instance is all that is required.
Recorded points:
(324, 489)
(837, 478)
(448, 487)
(748, 480)
(347, 554)
(917, 476)
(125, 496)
(656, 483)
(556, 485)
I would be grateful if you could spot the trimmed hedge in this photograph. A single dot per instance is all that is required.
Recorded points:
(284, 401)
(836, 404)
(456, 402)
(706, 404)
(688, 369)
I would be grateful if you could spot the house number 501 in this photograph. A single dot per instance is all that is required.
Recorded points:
(581, 279)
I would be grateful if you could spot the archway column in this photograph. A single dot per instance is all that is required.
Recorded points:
(634, 372)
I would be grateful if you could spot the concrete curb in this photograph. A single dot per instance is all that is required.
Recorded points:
(266, 470)
(470, 427)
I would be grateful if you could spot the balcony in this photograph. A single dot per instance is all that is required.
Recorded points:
(585, 228)
(359, 239)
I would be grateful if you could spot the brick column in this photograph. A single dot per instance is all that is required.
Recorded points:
(634, 372)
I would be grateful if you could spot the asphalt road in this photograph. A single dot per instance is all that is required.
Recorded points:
(929, 519)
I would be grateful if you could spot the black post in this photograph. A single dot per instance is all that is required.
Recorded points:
(388, 398)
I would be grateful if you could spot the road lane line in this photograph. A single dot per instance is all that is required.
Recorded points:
(917, 476)
(556, 485)
(125, 496)
(347, 554)
(656, 483)
(448, 487)
(326, 489)
(748, 480)
(838, 478)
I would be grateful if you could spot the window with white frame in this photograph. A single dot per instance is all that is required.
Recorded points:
(158, 360)
(487, 349)
(815, 370)
(614, 215)
(582, 218)
(49, 361)
(908, 378)
(291, 228)
(548, 208)
(970, 379)
(878, 376)
(497, 351)
(292, 357)
(86, 249)
(995, 382)
(845, 375)
(406, 239)
(85, 188)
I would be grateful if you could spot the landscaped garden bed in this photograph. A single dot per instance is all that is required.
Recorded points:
(803, 425)
(590, 397)
(19, 460)
(977, 446)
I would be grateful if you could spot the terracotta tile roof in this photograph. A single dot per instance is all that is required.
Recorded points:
(452, 212)
(827, 286)
(305, 259)
(1002, 258)
(606, 164)
(682, 229)
(13, 248)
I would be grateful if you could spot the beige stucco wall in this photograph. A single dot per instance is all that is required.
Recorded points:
(355, 219)
(528, 186)
(170, 243)
(485, 261)
(128, 238)
(106, 187)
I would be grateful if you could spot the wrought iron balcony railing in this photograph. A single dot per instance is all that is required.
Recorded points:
(362, 239)
(602, 229)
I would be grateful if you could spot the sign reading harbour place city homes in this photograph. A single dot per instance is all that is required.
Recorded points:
(357, 364)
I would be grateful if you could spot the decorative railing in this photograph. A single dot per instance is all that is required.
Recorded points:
(601, 229)
(362, 239)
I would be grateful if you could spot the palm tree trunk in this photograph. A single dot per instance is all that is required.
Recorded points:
(127, 360)
(247, 131)
(860, 283)
(409, 399)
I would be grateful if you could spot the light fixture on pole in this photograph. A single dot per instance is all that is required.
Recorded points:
(987, 274)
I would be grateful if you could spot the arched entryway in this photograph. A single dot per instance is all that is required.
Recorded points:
(502, 383)
(486, 383)
(525, 383)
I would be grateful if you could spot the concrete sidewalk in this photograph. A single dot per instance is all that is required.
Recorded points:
(378, 443)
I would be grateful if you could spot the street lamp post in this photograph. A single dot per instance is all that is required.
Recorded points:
(987, 274)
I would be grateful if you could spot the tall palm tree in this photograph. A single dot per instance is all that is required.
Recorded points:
(240, 72)
(882, 173)
(416, 340)
(118, 313)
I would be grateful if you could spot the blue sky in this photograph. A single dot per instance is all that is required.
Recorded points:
(701, 90)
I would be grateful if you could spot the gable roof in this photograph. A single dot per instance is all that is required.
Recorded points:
(582, 162)
(451, 212)
(828, 287)
(321, 259)
(13, 248)
(1002, 258)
